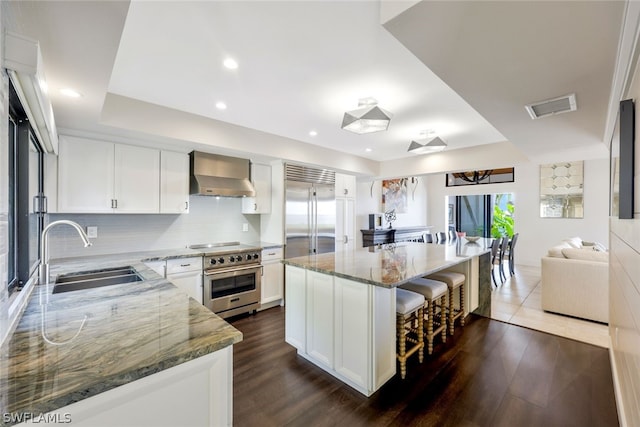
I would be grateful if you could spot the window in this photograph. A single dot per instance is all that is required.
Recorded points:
(26, 198)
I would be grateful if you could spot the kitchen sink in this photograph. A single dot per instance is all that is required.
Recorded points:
(96, 279)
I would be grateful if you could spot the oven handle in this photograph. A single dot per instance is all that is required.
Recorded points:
(234, 269)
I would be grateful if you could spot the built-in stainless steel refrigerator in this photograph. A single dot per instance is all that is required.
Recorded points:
(310, 211)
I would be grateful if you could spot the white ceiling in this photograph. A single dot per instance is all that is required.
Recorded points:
(303, 63)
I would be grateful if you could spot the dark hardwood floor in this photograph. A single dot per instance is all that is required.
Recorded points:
(489, 374)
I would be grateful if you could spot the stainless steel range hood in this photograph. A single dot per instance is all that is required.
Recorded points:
(216, 175)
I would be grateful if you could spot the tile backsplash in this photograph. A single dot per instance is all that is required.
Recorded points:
(210, 219)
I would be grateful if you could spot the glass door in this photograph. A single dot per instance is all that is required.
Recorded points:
(473, 214)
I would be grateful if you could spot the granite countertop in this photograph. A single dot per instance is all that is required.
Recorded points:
(73, 345)
(391, 265)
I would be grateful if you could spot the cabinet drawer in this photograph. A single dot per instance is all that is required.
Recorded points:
(180, 265)
(271, 254)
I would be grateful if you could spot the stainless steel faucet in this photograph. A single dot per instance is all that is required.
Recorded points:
(44, 247)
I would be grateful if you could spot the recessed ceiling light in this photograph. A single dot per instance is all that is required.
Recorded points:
(313, 133)
(71, 93)
(230, 63)
(368, 150)
(221, 105)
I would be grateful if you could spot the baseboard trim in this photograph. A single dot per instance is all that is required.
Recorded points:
(622, 419)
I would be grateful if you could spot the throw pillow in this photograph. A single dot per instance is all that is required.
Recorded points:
(574, 242)
(574, 253)
(556, 251)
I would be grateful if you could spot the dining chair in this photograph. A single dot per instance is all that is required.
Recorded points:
(428, 238)
(495, 248)
(442, 237)
(502, 256)
(511, 252)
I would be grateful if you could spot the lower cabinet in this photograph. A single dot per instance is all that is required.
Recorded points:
(271, 285)
(184, 273)
(345, 327)
(194, 393)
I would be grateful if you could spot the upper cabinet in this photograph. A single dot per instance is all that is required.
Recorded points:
(261, 179)
(137, 174)
(105, 177)
(345, 185)
(174, 182)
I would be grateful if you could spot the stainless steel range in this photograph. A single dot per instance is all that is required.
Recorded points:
(232, 276)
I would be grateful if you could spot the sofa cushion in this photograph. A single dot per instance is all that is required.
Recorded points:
(574, 242)
(589, 255)
(556, 251)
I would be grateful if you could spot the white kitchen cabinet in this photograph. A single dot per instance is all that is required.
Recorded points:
(158, 266)
(345, 223)
(271, 291)
(137, 174)
(345, 212)
(345, 185)
(174, 182)
(86, 173)
(104, 177)
(261, 179)
(295, 323)
(195, 393)
(186, 274)
(345, 327)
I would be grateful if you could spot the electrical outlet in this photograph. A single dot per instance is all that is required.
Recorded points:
(92, 232)
(245, 227)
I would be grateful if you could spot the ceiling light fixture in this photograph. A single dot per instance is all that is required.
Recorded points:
(368, 118)
(221, 105)
(433, 146)
(230, 63)
(313, 133)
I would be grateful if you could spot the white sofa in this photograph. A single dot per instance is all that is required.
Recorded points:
(575, 280)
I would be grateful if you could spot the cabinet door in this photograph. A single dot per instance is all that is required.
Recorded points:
(189, 282)
(85, 175)
(261, 178)
(352, 317)
(320, 325)
(137, 179)
(273, 276)
(345, 224)
(295, 323)
(157, 266)
(345, 185)
(174, 182)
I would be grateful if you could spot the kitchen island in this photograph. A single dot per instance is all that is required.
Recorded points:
(340, 307)
(141, 353)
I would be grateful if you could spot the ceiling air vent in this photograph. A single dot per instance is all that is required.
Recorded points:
(550, 107)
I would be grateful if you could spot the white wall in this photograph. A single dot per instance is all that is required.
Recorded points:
(209, 220)
(536, 234)
(369, 200)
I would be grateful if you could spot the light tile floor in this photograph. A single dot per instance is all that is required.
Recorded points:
(518, 301)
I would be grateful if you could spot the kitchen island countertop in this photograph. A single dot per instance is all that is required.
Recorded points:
(394, 264)
(70, 346)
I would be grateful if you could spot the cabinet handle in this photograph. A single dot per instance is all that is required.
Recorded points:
(346, 239)
(114, 203)
(346, 191)
(271, 253)
(186, 206)
(255, 206)
(185, 265)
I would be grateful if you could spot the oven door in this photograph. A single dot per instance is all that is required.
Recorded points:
(230, 288)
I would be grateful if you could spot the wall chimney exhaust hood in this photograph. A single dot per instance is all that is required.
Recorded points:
(216, 175)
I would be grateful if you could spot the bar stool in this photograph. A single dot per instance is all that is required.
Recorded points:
(453, 280)
(433, 291)
(409, 312)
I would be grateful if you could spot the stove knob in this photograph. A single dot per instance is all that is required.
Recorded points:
(248, 257)
(239, 258)
(212, 261)
(220, 260)
(256, 256)
(231, 259)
